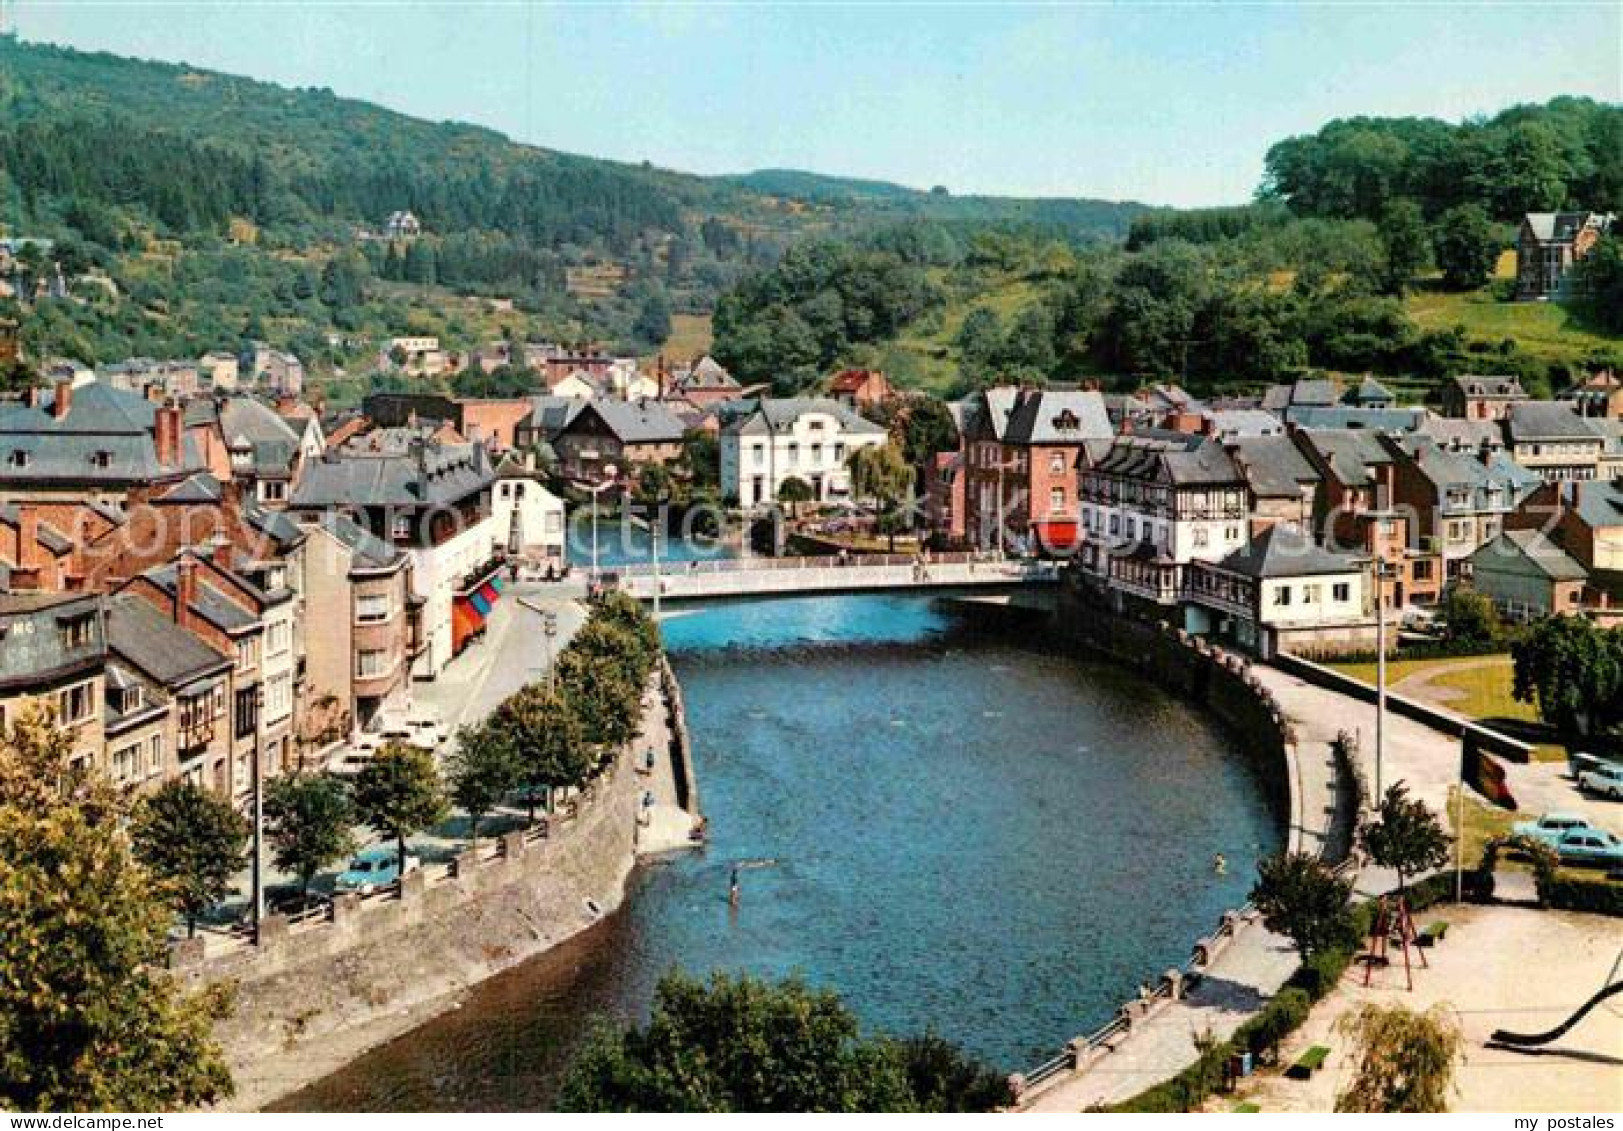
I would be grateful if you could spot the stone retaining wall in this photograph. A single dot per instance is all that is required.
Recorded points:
(313, 996)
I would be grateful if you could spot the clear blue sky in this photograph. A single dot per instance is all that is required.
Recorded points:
(1165, 103)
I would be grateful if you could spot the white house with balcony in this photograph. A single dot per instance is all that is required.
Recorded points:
(1155, 503)
(1283, 592)
(810, 439)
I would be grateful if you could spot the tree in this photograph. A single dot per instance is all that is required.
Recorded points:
(1303, 900)
(604, 697)
(192, 842)
(881, 474)
(979, 343)
(1573, 670)
(482, 769)
(89, 1019)
(653, 324)
(738, 1044)
(1405, 836)
(1405, 243)
(1597, 283)
(1470, 617)
(308, 819)
(928, 428)
(1466, 246)
(399, 793)
(794, 491)
(548, 740)
(1404, 1060)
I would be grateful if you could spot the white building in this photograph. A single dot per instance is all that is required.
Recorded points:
(774, 441)
(434, 502)
(1283, 592)
(532, 516)
(1156, 502)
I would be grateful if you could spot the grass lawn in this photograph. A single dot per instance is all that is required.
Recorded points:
(1482, 823)
(1474, 688)
(1545, 330)
(690, 337)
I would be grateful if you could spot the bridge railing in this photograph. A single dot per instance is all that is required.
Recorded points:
(823, 561)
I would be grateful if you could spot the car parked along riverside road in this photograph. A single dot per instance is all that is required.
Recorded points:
(1605, 780)
(374, 868)
(1551, 827)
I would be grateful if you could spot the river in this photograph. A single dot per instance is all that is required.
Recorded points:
(966, 831)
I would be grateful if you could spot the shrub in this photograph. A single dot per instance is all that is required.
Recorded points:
(1567, 893)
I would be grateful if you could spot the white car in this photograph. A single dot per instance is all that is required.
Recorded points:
(1606, 780)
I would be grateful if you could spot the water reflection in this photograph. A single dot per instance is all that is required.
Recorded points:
(968, 833)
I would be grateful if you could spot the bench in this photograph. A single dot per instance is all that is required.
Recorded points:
(1308, 1063)
(1433, 934)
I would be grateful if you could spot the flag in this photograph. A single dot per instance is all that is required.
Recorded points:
(1483, 774)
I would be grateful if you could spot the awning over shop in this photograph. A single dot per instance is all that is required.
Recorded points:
(469, 610)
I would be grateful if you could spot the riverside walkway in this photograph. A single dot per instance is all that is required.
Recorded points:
(1156, 1040)
(875, 573)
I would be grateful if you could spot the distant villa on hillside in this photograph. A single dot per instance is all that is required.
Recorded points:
(1549, 244)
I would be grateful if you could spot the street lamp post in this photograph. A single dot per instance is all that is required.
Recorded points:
(549, 633)
(654, 523)
(259, 813)
(609, 471)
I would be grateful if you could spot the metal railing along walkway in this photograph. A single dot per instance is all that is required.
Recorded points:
(741, 577)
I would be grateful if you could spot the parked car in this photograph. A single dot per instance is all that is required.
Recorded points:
(1605, 780)
(374, 868)
(1578, 762)
(1590, 846)
(1551, 827)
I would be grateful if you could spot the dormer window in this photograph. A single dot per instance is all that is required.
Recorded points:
(20, 458)
(102, 459)
(1067, 421)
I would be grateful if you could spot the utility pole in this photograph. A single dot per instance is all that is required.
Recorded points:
(654, 523)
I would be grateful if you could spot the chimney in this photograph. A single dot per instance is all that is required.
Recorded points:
(27, 536)
(64, 399)
(223, 555)
(166, 435)
(185, 590)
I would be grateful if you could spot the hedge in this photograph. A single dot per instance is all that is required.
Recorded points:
(1599, 897)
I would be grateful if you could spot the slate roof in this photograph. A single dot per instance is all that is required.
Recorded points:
(1476, 385)
(1562, 227)
(141, 636)
(1273, 466)
(1464, 484)
(1453, 432)
(1349, 453)
(551, 415)
(1186, 460)
(208, 602)
(1244, 422)
(200, 487)
(1600, 502)
(1368, 393)
(41, 652)
(367, 550)
(706, 373)
(105, 438)
(449, 473)
(1535, 548)
(1049, 417)
(1531, 421)
(780, 415)
(1284, 551)
(1351, 416)
(247, 422)
(638, 422)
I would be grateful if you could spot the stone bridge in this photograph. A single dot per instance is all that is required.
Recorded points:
(788, 577)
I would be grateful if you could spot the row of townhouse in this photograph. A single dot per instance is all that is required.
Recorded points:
(1267, 524)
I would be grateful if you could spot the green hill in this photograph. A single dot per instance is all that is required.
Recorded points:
(218, 205)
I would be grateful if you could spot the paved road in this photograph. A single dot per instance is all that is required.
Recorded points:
(1426, 759)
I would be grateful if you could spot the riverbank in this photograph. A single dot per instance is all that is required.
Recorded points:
(319, 995)
(1242, 964)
